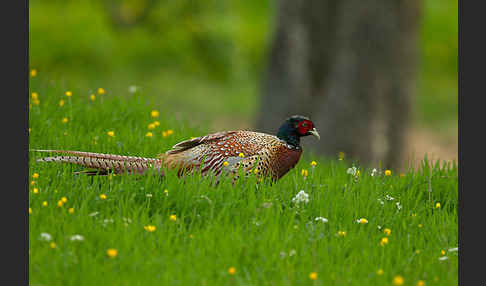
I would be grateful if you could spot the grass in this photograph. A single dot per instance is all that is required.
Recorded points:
(253, 227)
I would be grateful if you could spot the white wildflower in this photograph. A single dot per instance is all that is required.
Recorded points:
(381, 202)
(352, 171)
(132, 88)
(255, 222)
(148, 195)
(379, 227)
(442, 258)
(301, 197)
(283, 254)
(292, 252)
(399, 206)
(45, 236)
(389, 198)
(93, 214)
(77, 237)
(453, 249)
(373, 172)
(322, 219)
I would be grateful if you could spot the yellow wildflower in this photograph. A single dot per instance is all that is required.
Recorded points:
(60, 203)
(150, 228)
(225, 164)
(35, 96)
(36, 101)
(35, 191)
(379, 272)
(103, 196)
(44, 204)
(387, 231)
(398, 280)
(437, 205)
(417, 251)
(304, 172)
(341, 156)
(33, 73)
(387, 173)
(313, 275)
(414, 215)
(111, 133)
(164, 134)
(64, 199)
(61, 102)
(53, 245)
(154, 113)
(156, 123)
(342, 233)
(166, 192)
(35, 175)
(313, 163)
(30, 210)
(173, 217)
(442, 252)
(241, 155)
(384, 241)
(232, 271)
(32, 182)
(111, 252)
(92, 97)
(101, 91)
(358, 173)
(170, 132)
(65, 120)
(255, 171)
(71, 210)
(363, 221)
(151, 126)
(420, 225)
(149, 134)
(69, 93)
(421, 283)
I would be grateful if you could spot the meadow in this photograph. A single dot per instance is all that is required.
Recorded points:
(349, 226)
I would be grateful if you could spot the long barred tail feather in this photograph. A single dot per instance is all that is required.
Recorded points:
(104, 163)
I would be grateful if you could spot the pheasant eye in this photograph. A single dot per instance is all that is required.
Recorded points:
(304, 126)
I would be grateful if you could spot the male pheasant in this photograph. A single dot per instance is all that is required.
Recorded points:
(264, 154)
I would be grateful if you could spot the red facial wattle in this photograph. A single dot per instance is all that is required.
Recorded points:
(304, 126)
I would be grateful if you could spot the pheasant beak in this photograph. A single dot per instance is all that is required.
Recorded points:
(313, 132)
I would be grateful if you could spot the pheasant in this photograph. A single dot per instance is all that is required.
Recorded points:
(221, 152)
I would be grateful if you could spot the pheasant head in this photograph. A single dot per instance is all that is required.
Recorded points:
(295, 127)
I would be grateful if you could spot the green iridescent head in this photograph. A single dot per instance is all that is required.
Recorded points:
(295, 127)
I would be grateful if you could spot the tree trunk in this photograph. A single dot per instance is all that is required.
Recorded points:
(349, 65)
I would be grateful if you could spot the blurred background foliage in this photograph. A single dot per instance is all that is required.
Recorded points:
(204, 60)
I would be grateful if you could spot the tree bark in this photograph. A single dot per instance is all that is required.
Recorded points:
(349, 65)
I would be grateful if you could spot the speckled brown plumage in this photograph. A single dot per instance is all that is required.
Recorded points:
(269, 155)
(218, 153)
